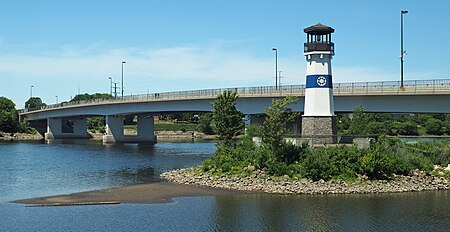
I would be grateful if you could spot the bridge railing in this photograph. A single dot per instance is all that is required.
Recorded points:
(441, 86)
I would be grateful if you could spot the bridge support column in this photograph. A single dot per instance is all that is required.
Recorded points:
(146, 128)
(59, 128)
(114, 130)
(54, 128)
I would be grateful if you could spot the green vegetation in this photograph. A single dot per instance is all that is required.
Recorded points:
(227, 120)
(9, 118)
(87, 97)
(34, 103)
(362, 123)
(384, 158)
(175, 127)
(205, 124)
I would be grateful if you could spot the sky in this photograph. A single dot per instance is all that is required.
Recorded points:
(63, 48)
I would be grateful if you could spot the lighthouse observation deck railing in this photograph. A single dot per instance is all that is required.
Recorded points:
(416, 87)
(319, 46)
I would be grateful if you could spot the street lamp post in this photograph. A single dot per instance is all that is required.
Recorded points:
(110, 86)
(276, 67)
(115, 89)
(31, 91)
(402, 52)
(123, 62)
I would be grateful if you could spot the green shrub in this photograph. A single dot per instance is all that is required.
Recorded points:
(317, 166)
(434, 127)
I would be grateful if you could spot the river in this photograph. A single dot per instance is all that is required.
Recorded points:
(33, 169)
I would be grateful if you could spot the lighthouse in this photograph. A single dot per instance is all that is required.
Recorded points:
(319, 120)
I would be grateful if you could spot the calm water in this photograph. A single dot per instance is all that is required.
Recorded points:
(33, 170)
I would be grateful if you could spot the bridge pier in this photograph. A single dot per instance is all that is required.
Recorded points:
(61, 128)
(114, 130)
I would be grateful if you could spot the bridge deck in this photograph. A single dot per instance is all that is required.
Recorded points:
(416, 87)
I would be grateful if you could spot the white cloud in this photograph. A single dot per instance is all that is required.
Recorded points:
(176, 68)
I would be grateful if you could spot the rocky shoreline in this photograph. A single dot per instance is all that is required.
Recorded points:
(260, 182)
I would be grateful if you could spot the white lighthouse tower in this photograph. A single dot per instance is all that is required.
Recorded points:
(319, 120)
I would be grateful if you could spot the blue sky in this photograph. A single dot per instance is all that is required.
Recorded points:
(62, 47)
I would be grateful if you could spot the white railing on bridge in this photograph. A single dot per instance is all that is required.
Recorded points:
(441, 86)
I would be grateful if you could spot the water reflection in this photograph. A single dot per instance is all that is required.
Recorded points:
(265, 212)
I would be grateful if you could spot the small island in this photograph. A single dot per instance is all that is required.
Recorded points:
(276, 165)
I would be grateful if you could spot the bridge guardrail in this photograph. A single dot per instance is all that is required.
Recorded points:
(441, 86)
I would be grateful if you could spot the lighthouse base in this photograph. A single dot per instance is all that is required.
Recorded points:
(320, 129)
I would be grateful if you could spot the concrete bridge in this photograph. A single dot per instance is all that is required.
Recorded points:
(425, 96)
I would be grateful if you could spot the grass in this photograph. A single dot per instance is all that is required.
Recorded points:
(168, 126)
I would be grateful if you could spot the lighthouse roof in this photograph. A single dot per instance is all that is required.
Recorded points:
(319, 29)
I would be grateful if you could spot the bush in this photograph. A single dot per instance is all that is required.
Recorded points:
(204, 124)
(318, 166)
(447, 127)
(407, 128)
(434, 127)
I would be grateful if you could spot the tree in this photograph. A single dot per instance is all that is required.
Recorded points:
(88, 97)
(434, 127)
(227, 120)
(9, 118)
(407, 128)
(34, 103)
(447, 127)
(343, 123)
(204, 124)
(358, 126)
(376, 128)
(278, 115)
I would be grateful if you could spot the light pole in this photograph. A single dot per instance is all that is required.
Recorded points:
(276, 67)
(110, 86)
(123, 62)
(115, 89)
(402, 52)
(31, 91)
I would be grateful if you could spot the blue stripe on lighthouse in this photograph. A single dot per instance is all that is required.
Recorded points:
(319, 81)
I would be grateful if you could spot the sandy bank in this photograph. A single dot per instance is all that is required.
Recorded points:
(162, 192)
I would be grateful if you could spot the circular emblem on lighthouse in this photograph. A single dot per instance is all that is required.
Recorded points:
(321, 81)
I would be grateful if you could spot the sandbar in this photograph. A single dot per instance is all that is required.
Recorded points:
(154, 193)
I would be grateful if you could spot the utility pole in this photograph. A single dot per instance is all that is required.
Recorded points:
(123, 62)
(115, 89)
(276, 67)
(402, 52)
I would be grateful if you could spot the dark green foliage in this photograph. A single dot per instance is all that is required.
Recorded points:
(344, 122)
(96, 124)
(205, 124)
(407, 128)
(278, 115)
(87, 97)
(358, 126)
(434, 127)
(376, 128)
(447, 127)
(34, 103)
(381, 160)
(227, 120)
(9, 118)
(384, 158)
(175, 127)
(253, 130)
(363, 123)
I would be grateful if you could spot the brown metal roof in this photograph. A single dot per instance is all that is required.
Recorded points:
(319, 29)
